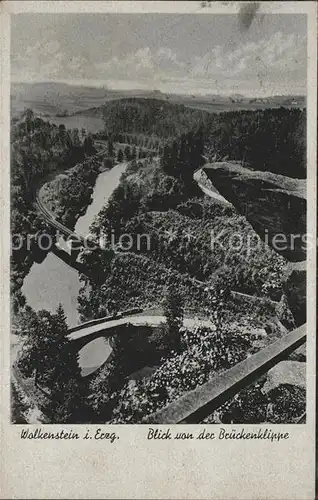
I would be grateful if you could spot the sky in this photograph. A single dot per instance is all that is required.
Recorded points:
(177, 53)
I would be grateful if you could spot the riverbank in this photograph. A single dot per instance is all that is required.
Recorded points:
(53, 282)
(54, 149)
(69, 194)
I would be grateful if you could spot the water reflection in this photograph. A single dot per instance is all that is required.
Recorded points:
(53, 282)
(93, 355)
(50, 283)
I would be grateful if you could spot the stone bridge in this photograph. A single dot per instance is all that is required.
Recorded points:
(108, 326)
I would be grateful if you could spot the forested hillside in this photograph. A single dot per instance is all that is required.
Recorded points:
(270, 139)
(273, 140)
(179, 223)
(151, 117)
(158, 195)
(38, 148)
(176, 267)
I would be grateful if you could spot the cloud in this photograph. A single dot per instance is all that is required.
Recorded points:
(45, 60)
(279, 53)
(143, 63)
(272, 62)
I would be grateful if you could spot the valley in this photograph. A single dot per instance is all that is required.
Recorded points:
(173, 269)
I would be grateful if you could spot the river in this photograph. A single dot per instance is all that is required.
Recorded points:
(53, 282)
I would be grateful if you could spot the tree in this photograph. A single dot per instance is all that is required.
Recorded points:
(88, 144)
(29, 327)
(62, 134)
(127, 153)
(18, 406)
(173, 310)
(170, 158)
(120, 155)
(101, 388)
(29, 115)
(217, 296)
(48, 354)
(110, 147)
(75, 138)
(108, 162)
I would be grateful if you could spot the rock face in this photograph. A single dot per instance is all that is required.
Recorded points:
(276, 208)
(286, 372)
(208, 188)
(295, 291)
(274, 205)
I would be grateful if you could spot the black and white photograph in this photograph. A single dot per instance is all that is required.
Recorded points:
(158, 218)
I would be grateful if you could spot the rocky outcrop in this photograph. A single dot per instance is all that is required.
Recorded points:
(295, 291)
(285, 372)
(274, 205)
(208, 188)
(276, 208)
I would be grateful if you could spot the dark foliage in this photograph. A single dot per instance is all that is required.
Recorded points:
(271, 139)
(284, 404)
(48, 357)
(38, 148)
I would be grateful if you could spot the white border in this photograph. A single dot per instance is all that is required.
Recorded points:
(135, 467)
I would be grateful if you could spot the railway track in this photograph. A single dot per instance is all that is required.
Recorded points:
(49, 217)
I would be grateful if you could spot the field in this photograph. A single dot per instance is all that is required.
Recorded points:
(91, 124)
(53, 98)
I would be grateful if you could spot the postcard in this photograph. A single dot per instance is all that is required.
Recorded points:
(158, 190)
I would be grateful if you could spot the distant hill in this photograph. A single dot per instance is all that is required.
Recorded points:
(62, 99)
(53, 98)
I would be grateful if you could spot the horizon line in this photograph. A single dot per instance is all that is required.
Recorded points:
(104, 85)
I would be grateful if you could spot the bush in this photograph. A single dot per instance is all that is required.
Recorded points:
(205, 352)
